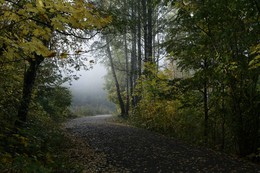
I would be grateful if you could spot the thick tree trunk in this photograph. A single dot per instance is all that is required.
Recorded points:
(28, 84)
(121, 102)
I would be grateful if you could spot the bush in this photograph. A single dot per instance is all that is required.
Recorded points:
(39, 147)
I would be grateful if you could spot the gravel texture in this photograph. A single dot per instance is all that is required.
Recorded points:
(131, 149)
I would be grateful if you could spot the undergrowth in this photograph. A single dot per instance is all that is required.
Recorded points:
(41, 146)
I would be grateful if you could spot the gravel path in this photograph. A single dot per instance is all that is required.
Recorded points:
(138, 150)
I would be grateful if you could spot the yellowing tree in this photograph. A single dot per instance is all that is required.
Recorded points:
(32, 30)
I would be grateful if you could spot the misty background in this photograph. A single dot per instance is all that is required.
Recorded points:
(88, 96)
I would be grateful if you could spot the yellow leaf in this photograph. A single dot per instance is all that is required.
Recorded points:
(51, 54)
(39, 3)
(255, 62)
(37, 32)
(78, 51)
(64, 55)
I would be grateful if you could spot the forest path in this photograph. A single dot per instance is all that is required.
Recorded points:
(138, 150)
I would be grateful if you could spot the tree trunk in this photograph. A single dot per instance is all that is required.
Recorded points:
(121, 102)
(133, 58)
(206, 112)
(149, 31)
(139, 43)
(148, 35)
(28, 84)
(223, 123)
(139, 47)
(127, 76)
(144, 4)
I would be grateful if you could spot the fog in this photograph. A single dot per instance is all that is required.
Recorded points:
(89, 81)
(89, 97)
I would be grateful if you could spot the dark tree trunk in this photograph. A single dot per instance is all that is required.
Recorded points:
(149, 31)
(121, 102)
(144, 5)
(223, 112)
(133, 58)
(28, 84)
(206, 112)
(205, 100)
(139, 44)
(139, 47)
(148, 35)
(133, 69)
(127, 105)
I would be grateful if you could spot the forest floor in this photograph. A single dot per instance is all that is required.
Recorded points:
(107, 146)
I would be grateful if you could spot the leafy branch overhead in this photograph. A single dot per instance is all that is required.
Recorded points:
(33, 31)
(29, 28)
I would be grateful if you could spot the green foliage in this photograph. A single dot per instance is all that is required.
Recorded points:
(165, 109)
(209, 92)
(155, 111)
(255, 63)
(31, 31)
(34, 31)
(215, 40)
(36, 148)
(55, 101)
(32, 25)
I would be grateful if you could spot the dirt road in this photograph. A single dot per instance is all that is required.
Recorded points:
(138, 150)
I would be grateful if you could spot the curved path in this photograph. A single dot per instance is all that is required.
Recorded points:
(138, 150)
